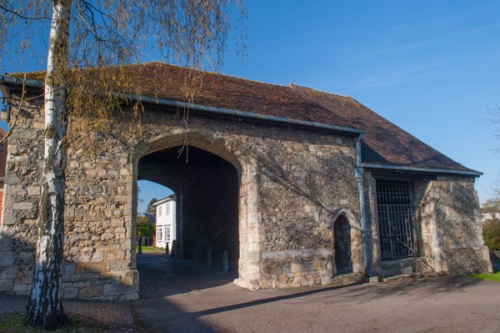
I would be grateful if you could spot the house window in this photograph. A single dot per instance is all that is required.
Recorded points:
(167, 209)
(395, 218)
(159, 210)
(167, 234)
(159, 234)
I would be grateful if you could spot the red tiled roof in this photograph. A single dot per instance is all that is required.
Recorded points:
(216, 90)
(384, 143)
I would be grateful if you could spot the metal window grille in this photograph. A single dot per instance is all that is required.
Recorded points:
(395, 217)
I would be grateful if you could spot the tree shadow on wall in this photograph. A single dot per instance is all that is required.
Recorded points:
(456, 217)
(337, 169)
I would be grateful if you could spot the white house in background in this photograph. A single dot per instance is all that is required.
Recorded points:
(165, 222)
(489, 216)
(490, 210)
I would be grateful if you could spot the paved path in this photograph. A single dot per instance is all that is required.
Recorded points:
(180, 296)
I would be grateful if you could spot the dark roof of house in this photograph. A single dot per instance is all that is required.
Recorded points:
(171, 197)
(384, 144)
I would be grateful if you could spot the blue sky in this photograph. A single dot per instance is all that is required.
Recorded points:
(430, 67)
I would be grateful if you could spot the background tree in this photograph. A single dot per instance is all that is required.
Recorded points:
(496, 185)
(491, 206)
(151, 209)
(491, 227)
(145, 228)
(491, 234)
(85, 38)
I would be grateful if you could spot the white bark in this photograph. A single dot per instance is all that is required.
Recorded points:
(45, 307)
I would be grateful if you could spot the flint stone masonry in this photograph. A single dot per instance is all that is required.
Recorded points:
(447, 224)
(450, 222)
(269, 194)
(279, 170)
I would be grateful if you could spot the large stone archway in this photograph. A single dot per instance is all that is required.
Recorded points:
(214, 197)
(285, 191)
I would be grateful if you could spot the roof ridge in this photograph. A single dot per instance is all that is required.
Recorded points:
(384, 141)
(295, 86)
(305, 97)
(211, 73)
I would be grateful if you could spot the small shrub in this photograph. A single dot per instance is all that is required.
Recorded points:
(144, 227)
(491, 234)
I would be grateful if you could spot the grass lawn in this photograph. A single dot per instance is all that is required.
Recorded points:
(150, 249)
(14, 323)
(495, 276)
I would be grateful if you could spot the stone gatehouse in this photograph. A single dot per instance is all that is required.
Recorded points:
(300, 187)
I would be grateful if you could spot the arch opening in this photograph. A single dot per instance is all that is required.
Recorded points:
(206, 188)
(342, 245)
(156, 216)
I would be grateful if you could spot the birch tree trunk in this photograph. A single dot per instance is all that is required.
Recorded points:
(45, 308)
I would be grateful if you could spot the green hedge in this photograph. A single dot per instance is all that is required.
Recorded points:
(144, 227)
(491, 234)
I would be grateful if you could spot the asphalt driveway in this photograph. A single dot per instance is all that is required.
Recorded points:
(183, 296)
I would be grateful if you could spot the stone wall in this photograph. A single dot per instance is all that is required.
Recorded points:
(449, 216)
(373, 239)
(21, 190)
(291, 184)
(447, 228)
(298, 201)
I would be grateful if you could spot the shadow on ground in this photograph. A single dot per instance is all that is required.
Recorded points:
(161, 276)
(179, 295)
(161, 280)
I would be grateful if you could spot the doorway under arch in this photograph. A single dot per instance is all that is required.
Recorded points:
(207, 195)
(342, 245)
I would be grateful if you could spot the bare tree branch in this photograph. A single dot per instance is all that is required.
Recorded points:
(90, 44)
(21, 102)
(21, 16)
